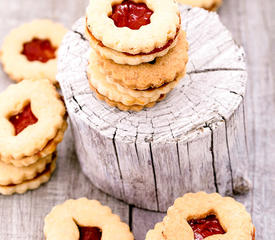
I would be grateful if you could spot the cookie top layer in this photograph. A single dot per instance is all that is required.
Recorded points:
(46, 105)
(30, 51)
(232, 216)
(66, 220)
(163, 26)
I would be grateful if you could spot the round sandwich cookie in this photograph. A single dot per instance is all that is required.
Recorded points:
(210, 5)
(84, 219)
(30, 51)
(30, 184)
(150, 75)
(197, 216)
(121, 106)
(130, 31)
(10, 174)
(33, 116)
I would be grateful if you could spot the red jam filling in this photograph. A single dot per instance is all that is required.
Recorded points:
(156, 50)
(131, 14)
(39, 50)
(205, 227)
(90, 233)
(23, 119)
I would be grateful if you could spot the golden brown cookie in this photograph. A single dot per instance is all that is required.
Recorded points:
(117, 93)
(29, 184)
(121, 106)
(147, 75)
(10, 174)
(81, 218)
(201, 215)
(30, 119)
(30, 51)
(210, 5)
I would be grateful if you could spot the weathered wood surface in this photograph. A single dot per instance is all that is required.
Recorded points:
(152, 157)
(253, 25)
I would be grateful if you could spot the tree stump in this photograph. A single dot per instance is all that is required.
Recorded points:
(193, 140)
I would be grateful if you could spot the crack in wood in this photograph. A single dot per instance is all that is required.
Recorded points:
(228, 153)
(74, 99)
(130, 222)
(118, 163)
(213, 157)
(81, 35)
(154, 174)
(215, 70)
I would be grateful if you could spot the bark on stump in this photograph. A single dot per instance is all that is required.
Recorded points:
(194, 140)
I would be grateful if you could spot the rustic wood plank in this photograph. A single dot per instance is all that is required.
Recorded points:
(252, 23)
(143, 221)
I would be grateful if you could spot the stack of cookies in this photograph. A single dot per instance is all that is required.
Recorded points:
(33, 122)
(139, 51)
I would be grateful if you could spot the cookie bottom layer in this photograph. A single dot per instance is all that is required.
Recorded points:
(121, 106)
(30, 184)
(10, 174)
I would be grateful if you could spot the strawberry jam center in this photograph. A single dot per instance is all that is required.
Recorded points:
(90, 233)
(205, 227)
(23, 119)
(131, 14)
(39, 50)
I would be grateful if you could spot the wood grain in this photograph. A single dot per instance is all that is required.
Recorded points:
(253, 25)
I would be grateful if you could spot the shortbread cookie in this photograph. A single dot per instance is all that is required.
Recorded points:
(210, 5)
(201, 215)
(29, 119)
(29, 184)
(121, 106)
(148, 75)
(47, 150)
(85, 219)
(134, 28)
(124, 58)
(109, 90)
(10, 174)
(30, 51)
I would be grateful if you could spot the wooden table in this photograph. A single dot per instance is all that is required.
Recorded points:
(252, 23)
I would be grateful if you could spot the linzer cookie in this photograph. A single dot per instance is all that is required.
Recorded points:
(30, 184)
(30, 119)
(10, 174)
(210, 5)
(201, 215)
(30, 51)
(130, 32)
(32, 123)
(84, 219)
